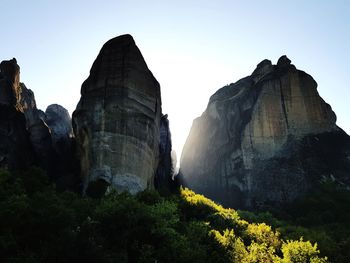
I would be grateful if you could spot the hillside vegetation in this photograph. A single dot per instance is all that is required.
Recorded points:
(39, 224)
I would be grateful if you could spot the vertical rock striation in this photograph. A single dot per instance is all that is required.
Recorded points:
(163, 178)
(117, 120)
(256, 142)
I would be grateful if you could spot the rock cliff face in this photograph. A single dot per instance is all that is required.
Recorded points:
(28, 136)
(163, 178)
(264, 140)
(15, 148)
(117, 121)
(39, 132)
(59, 122)
(9, 77)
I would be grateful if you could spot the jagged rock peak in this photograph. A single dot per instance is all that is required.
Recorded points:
(28, 139)
(15, 148)
(263, 68)
(117, 120)
(283, 61)
(10, 77)
(10, 69)
(255, 141)
(27, 98)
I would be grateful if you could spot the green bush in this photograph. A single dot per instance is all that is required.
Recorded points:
(39, 224)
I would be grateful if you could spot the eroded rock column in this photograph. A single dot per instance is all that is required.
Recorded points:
(117, 121)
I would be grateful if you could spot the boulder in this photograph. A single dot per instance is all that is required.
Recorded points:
(117, 121)
(255, 144)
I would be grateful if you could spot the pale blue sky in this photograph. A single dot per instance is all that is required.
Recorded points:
(192, 47)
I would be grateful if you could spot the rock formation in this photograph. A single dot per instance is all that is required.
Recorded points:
(163, 178)
(28, 136)
(64, 167)
(9, 77)
(15, 148)
(58, 120)
(265, 139)
(117, 121)
(39, 132)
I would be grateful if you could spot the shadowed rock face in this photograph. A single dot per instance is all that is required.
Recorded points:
(255, 143)
(15, 148)
(116, 122)
(163, 178)
(9, 81)
(39, 132)
(28, 136)
(50, 133)
(58, 120)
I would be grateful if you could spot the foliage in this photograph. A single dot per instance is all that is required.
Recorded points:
(299, 251)
(39, 224)
(322, 216)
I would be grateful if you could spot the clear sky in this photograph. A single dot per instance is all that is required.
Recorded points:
(192, 47)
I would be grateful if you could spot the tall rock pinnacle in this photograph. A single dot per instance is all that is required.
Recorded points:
(117, 120)
(265, 139)
(15, 149)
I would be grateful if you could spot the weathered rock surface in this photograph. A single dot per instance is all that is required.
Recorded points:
(28, 136)
(39, 132)
(51, 137)
(264, 140)
(9, 81)
(58, 120)
(15, 148)
(117, 120)
(163, 178)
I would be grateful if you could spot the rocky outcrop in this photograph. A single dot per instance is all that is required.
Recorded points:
(15, 148)
(51, 137)
(256, 142)
(58, 120)
(28, 136)
(39, 132)
(116, 122)
(163, 179)
(9, 81)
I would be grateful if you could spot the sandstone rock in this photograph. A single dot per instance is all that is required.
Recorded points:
(9, 82)
(283, 62)
(60, 124)
(116, 122)
(25, 136)
(263, 68)
(39, 132)
(50, 135)
(15, 148)
(163, 178)
(251, 146)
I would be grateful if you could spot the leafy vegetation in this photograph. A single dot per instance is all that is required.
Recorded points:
(39, 224)
(322, 216)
